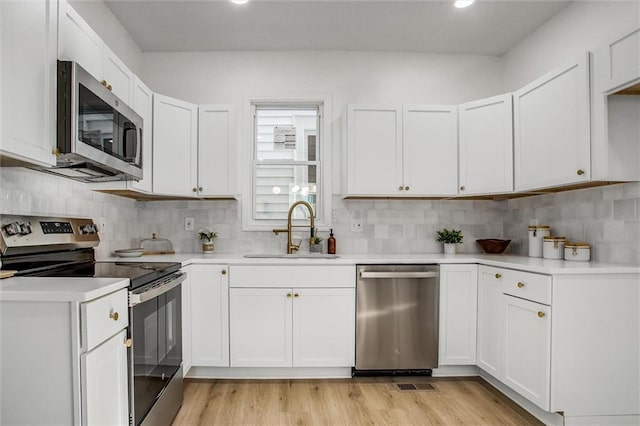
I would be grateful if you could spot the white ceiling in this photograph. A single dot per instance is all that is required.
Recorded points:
(485, 28)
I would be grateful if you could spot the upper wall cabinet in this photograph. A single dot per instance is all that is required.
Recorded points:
(552, 130)
(216, 151)
(622, 57)
(175, 127)
(79, 42)
(486, 146)
(27, 84)
(410, 152)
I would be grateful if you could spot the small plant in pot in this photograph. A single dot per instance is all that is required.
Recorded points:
(450, 237)
(315, 245)
(207, 236)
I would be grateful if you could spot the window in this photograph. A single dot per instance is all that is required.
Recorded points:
(288, 156)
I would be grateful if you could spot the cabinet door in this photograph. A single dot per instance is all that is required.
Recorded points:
(260, 327)
(118, 76)
(486, 146)
(528, 349)
(27, 80)
(374, 151)
(104, 378)
(143, 105)
(186, 322)
(490, 320)
(430, 150)
(209, 315)
(217, 166)
(458, 314)
(324, 327)
(174, 146)
(78, 42)
(623, 60)
(552, 130)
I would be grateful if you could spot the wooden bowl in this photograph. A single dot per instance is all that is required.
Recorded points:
(493, 245)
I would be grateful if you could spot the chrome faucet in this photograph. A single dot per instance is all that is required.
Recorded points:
(290, 246)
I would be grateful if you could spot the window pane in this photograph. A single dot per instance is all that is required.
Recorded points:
(279, 186)
(286, 133)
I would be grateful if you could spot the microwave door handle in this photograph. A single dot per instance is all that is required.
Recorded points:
(139, 146)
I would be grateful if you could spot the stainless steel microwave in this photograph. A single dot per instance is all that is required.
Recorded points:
(99, 137)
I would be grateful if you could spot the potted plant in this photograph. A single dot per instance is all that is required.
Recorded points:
(315, 245)
(207, 236)
(450, 237)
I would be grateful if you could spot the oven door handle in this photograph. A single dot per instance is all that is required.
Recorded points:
(137, 298)
(394, 274)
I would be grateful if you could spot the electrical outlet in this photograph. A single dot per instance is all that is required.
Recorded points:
(102, 225)
(356, 226)
(188, 224)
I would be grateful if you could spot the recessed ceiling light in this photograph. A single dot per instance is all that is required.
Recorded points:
(459, 3)
(239, 1)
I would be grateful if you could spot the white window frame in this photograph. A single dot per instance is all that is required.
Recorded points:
(325, 141)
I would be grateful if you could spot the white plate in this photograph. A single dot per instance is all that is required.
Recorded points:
(129, 253)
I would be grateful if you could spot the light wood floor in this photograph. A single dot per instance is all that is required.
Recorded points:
(359, 401)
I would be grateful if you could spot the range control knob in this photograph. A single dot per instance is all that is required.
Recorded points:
(11, 229)
(25, 228)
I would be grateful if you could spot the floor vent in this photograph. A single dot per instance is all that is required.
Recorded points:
(410, 387)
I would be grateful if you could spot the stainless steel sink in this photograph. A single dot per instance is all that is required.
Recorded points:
(292, 256)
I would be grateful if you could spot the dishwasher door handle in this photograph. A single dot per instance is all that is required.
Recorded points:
(391, 274)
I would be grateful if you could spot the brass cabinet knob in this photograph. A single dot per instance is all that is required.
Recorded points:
(195, 189)
(296, 295)
(400, 188)
(288, 294)
(109, 87)
(224, 272)
(56, 152)
(406, 188)
(462, 188)
(200, 188)
(540, 314)
(520, 284)
(104, 83)
(580, 172)
(128, 342)
(114, 316)
(498, 275)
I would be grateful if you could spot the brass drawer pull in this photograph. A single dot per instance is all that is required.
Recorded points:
(520, 284)
(541, 314)
(114, 316)
(128, 342)
(498, 275)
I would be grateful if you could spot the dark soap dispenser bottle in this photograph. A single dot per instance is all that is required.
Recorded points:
(331, 243)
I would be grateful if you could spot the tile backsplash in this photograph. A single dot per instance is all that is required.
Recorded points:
(608, 217)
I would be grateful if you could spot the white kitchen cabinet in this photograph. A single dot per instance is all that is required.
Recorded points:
(458, 314)
(374, 150)
(486, 146)
(209, 288)
(217, 167)
(622, 59)
(321, 339)
(105, 393)
(78, 42)
(410, 151)
(527, 349)
(552, 129)
(186, 321)
(28, 43)
(67, 362)
(175, 150)
(430, 150)
(490, 321)
(260, 327)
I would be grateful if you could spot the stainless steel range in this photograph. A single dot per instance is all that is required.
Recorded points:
(63, 247)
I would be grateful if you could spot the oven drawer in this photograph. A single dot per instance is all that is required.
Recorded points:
(527, 285)
(103, 317)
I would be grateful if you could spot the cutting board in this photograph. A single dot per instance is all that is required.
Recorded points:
(7, 274)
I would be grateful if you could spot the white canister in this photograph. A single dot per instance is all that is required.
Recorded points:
(553, 247)
(536, 234)
(577, 251)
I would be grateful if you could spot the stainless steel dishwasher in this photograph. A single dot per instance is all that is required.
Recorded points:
(396, 319)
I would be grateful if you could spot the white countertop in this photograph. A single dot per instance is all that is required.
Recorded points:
(524, 263)
(58, 289)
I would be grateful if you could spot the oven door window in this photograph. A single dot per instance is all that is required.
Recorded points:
(157, 348)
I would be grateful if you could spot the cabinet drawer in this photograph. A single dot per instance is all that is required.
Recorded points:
(298, 276)
(102, 318)
(526, 285)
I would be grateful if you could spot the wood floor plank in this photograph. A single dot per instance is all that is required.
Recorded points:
(358, 401)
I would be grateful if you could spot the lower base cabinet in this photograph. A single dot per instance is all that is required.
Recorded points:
(284, 327)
